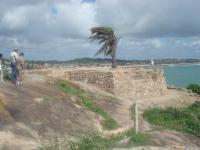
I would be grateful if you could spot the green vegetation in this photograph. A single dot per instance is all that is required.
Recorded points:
(55, 145)
(109, 30)
(195, 88)
(124, 140)
(136, 139)
(97, 142)
(108, 41)
(108, 122)
(93, 142)
(181, 119)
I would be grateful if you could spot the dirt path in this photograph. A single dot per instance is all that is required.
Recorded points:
(174, 98)
(120, 110)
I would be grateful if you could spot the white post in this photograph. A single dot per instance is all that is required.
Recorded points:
(136, 117)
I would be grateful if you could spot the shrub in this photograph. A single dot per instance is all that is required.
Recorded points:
(195, 88)
(97, 142)
(180, 119)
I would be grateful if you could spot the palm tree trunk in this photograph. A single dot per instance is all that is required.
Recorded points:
(114, 65)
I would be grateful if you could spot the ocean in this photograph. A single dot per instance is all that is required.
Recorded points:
(182, 75)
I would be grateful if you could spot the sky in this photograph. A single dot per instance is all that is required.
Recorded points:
(59, 29)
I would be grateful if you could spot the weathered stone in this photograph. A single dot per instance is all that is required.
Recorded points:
(125, 82)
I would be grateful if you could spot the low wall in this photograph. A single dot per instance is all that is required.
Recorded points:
(133, 83)
(101, 79)
(125, 83)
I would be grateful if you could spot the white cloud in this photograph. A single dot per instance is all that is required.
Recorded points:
(156, 43)
(196, 43)
(152, 18)
(148, 28)
(15, 20)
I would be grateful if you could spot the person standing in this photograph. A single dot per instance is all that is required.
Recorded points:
(20, 68)
(1, 69)
(14, 61)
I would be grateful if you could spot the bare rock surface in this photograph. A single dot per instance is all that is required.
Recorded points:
(38, 111)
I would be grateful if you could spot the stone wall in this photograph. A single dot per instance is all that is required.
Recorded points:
(132, 83)
(124, 82)
(101, 79)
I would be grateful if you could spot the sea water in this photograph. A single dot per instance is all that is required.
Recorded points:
(182, 75)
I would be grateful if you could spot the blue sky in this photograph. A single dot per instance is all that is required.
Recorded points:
(53, 29)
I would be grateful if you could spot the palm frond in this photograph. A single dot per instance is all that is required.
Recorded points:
(103, 48)
(106, 38)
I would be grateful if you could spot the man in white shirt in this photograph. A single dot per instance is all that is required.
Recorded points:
(14, 59)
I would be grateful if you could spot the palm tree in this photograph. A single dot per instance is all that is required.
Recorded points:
(108, 41)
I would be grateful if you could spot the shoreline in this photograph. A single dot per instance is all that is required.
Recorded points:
(179, 64)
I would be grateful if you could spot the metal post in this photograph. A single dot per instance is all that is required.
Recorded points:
(136, 117)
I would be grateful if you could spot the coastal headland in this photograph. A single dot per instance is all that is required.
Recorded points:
(64, 103)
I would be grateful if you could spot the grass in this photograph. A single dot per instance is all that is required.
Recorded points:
(93, 142)
(180, 119)
(54, 145)
(97, 142)
(108, 122)
(195, 88)
(123, 140)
